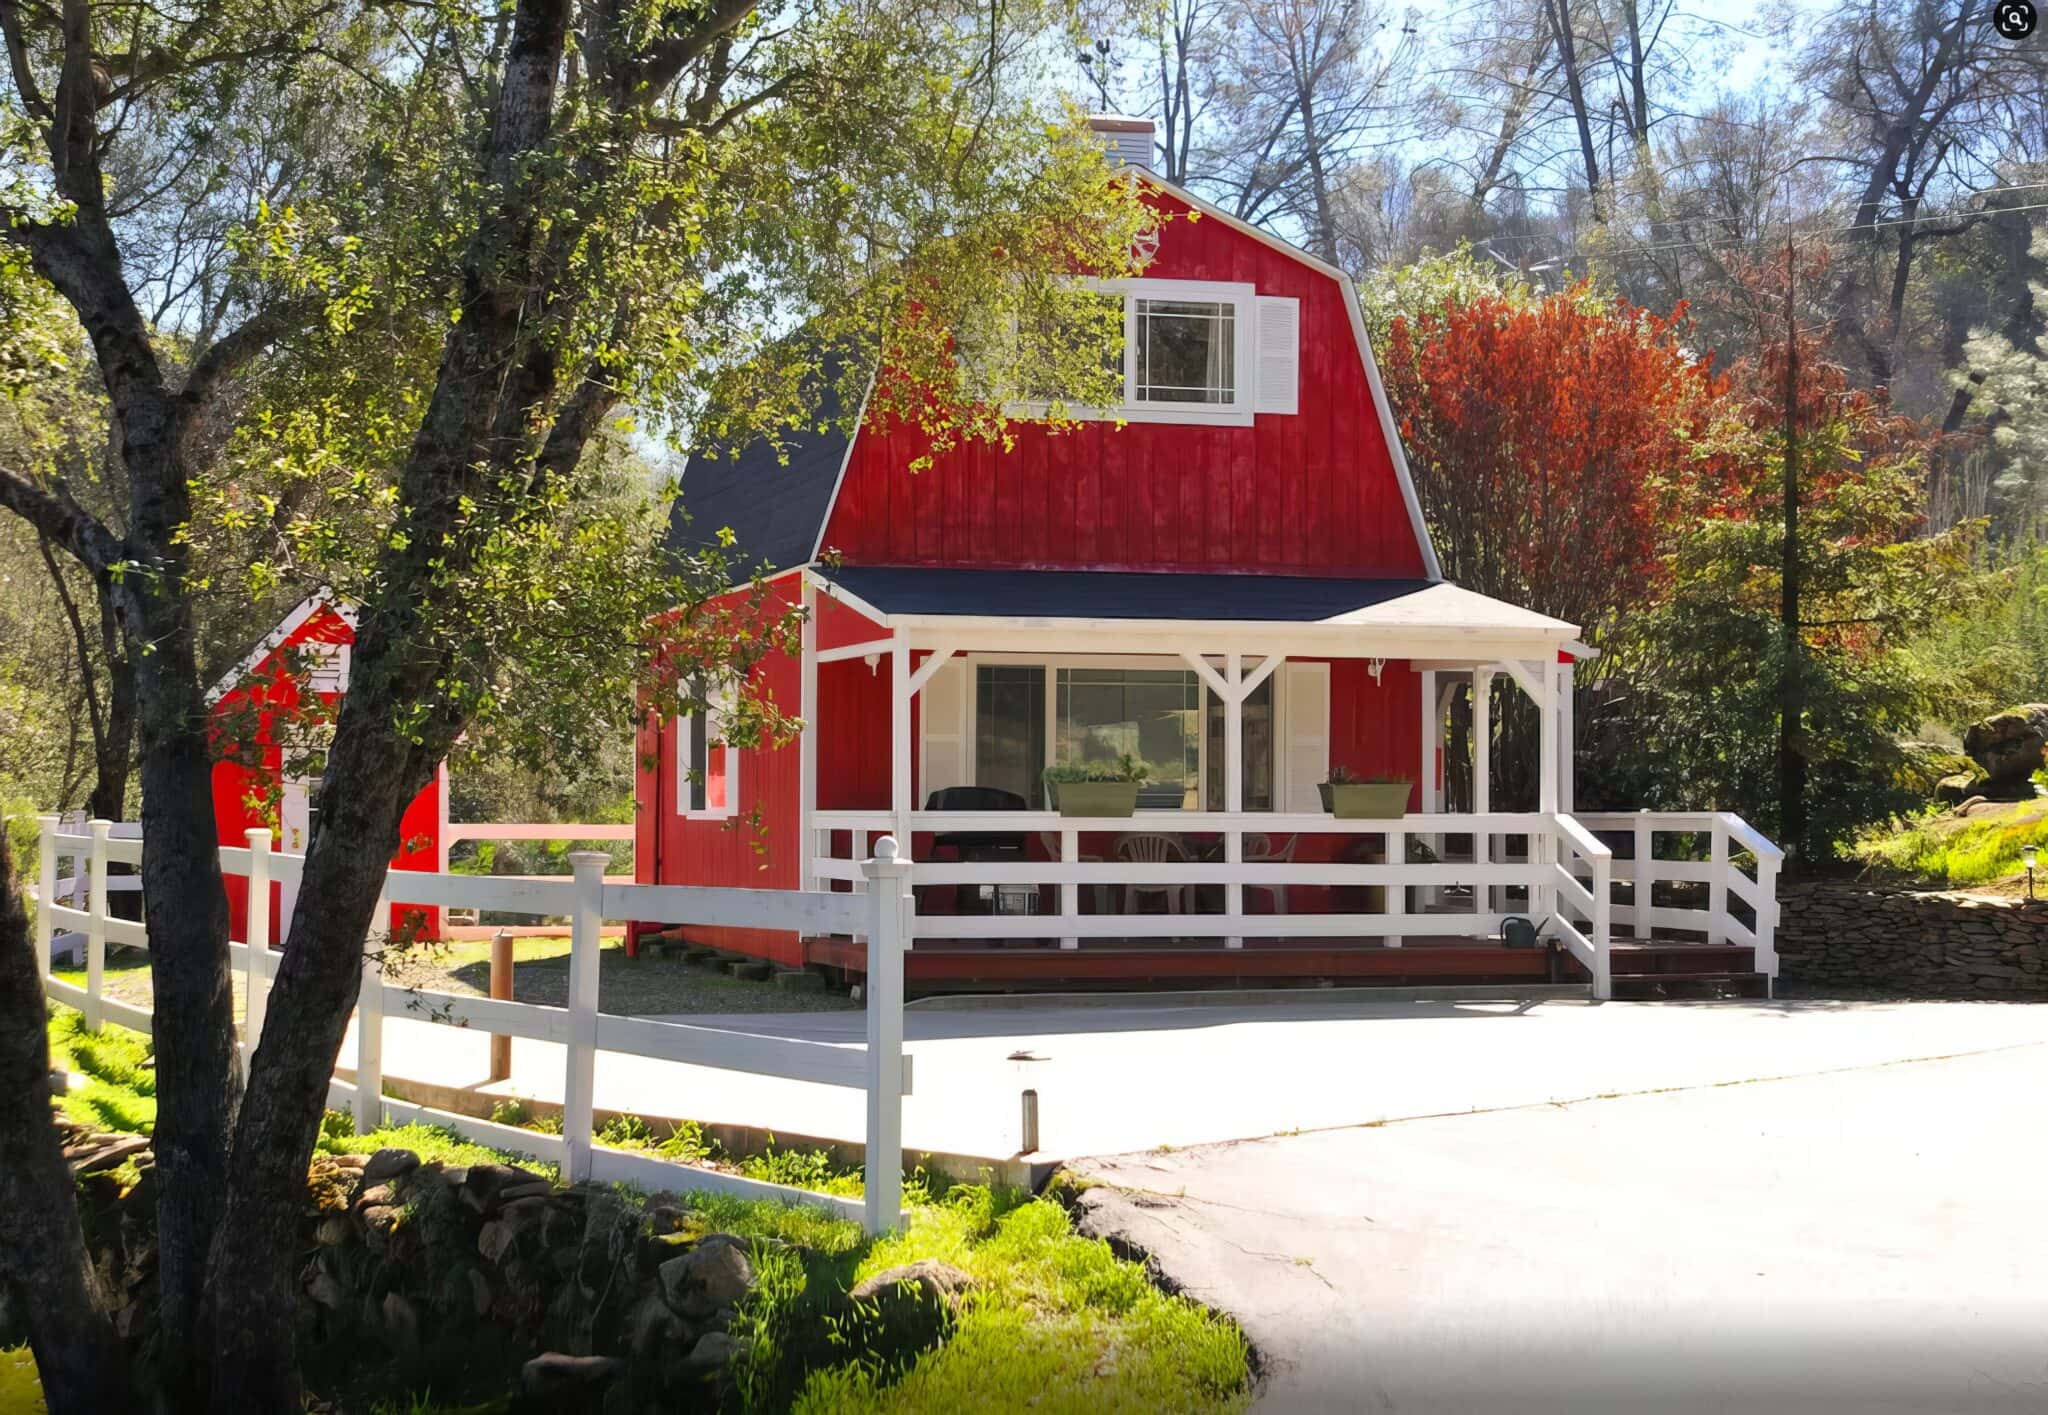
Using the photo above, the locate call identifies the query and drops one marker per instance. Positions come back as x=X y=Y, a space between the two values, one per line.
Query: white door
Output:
x=295 y=821
x=1304 y=735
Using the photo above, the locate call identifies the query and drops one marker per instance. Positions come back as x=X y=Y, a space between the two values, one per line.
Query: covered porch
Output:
x=1240 y=694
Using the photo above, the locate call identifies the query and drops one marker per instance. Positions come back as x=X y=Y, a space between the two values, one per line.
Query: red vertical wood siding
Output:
x=1310 y=493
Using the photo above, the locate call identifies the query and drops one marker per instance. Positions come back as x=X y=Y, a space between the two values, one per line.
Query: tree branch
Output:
x=58 y=517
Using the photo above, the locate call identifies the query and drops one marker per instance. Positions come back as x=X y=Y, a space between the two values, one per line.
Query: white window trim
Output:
x=1051 y=663
x=713 y=722
x=1239 y=412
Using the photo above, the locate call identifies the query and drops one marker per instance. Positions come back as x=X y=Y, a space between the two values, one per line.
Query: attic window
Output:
x=1186 y=351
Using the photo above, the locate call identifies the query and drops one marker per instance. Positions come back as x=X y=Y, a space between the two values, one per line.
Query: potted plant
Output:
x=1352 y=798
x=1096 y=788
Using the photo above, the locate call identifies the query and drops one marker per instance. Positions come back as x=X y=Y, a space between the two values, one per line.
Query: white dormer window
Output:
x=1198 y=351
x=707 y=769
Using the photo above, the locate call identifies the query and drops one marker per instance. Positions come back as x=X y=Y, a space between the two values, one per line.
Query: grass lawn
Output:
x=1959 y=852
x=1055 y=1323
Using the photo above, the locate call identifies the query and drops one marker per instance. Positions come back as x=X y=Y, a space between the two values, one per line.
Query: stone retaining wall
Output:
x=1858 y=935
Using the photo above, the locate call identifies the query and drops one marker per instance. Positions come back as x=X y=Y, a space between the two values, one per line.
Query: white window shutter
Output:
x=944 y=719
x=1305 y=735
x=1279 y=355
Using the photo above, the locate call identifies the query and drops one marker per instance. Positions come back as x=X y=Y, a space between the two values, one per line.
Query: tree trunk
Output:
x=184 y=905
x=43 y=1260
x=1792 y=672
x=1560 y=16
x=113 y=750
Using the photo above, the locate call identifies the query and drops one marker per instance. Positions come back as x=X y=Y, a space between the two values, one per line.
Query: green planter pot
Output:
x=1094 y=798
x=1366 y=801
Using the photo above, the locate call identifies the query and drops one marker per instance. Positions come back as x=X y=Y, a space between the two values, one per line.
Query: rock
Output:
x=1960 y=789
x=333 y=1231
x=713 y=1274
x=389 y=1164
x=794 y=980
x=651 y=1326
x=554 y=1375
x=751 y=970
x=320 y=1286
x=480 y=1292
x=2011 y=746
x=942 y=1282
x=372 y=1196
x=495 y=1238
x=713 y=1352
x=379 y=1222
x=483 y=1183
x=401 y=1321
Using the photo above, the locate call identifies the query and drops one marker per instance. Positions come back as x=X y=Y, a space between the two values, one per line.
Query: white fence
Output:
x=1726 y=837
x=1524 y=853
x=881 y=913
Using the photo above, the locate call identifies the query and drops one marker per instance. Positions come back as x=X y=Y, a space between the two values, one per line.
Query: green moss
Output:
x=119 y=1093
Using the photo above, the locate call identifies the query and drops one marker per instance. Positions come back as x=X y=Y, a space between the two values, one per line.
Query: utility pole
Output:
x=1792 y=674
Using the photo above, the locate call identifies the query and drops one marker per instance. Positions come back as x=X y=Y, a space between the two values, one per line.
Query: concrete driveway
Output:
x=1873 y=1238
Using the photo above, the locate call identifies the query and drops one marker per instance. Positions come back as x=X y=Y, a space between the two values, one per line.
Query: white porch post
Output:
x=1567 y=763
x=1432 y=785
x=1482 y=778
x=1543 y=847
x=900 y=802
x=1233 y=793
x=807 y=745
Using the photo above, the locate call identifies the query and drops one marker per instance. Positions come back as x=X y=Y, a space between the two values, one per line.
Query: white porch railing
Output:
x=881 y=913
x=1544 y=869
x=1666 y=849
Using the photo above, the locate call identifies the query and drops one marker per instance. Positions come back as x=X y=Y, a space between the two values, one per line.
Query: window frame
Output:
x=685 y=788
x=1238 y=412
x=1052 y=663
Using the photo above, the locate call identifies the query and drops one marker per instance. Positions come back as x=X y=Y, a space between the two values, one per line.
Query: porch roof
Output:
x=918 y=596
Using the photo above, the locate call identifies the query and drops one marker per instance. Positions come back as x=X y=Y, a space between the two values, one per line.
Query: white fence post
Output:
x=1717 y=886
x=46 y=893
x=1767 y=921
x=1603 y=926
x=889 y=890
x=580 y=1082
x=256 y=943
x=96 y=924
x=1645 y=877
x=370 y=1022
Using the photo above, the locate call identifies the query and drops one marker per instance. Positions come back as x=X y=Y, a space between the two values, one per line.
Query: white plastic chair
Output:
x=1149 y=849
x=1258 y=850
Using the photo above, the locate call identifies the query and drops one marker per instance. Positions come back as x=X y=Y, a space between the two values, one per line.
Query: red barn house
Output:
x=308 y=651
x=1229 y=579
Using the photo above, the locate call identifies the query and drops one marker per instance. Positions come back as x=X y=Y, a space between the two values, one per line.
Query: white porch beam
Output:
x=1258 y=675
x=1421 y=644
x=1532 y=677
x=862 y=650
x=1482 y=778
x=1208 y=674
x=930 y=667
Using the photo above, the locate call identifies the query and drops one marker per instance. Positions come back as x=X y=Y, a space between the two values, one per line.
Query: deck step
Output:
x=1651 y=987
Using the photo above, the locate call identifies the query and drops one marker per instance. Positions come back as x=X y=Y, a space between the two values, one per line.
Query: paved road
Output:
x=1868 y=1240
x=1134 y=1076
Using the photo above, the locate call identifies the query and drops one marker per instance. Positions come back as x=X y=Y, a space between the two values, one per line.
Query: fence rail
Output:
x=881 y=914
x=1664 y=847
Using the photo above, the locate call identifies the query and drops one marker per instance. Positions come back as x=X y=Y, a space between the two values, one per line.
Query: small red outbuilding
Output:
x=254 y=708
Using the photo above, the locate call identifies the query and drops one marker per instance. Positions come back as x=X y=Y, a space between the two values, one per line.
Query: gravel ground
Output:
x=645 y=986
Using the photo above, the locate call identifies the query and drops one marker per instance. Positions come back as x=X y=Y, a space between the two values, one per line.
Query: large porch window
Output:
x=1027 y=716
